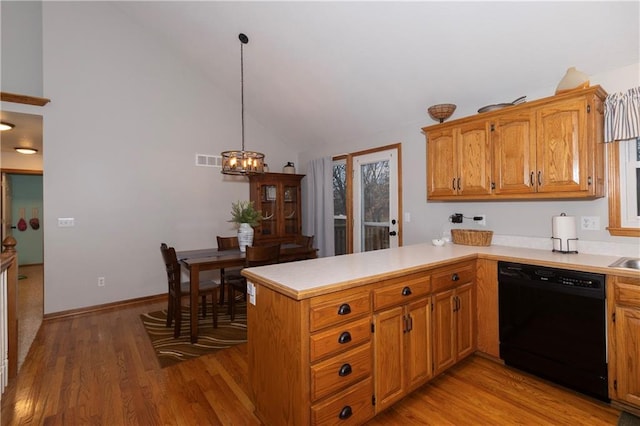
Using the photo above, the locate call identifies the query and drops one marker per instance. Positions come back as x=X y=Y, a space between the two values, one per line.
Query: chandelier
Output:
x=242 y=162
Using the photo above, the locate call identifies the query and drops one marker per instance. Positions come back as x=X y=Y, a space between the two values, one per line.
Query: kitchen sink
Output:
x=627 y=262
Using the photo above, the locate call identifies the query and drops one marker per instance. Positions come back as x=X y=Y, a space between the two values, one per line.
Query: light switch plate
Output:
x=66 y=222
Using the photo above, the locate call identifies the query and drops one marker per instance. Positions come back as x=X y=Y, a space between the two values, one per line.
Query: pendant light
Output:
x=242 y=162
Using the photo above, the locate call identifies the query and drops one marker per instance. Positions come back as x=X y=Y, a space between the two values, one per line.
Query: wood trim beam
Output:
x=23 y=99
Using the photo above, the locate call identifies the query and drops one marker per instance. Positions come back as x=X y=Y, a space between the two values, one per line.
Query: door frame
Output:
x=349 y=178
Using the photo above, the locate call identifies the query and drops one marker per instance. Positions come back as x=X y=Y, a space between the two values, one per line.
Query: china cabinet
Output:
x=277 y=196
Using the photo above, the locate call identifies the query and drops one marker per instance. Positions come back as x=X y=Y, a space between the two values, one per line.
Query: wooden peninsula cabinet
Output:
x=453 y=315
x=624 y=341
x=551 y=148
x=277 y=196
x=402 y=337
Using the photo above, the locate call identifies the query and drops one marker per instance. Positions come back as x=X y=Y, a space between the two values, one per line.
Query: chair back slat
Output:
x=227 y=243
x=173 y=268
x=262 y=255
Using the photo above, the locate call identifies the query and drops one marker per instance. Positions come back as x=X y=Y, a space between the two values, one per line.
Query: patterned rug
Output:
x=171 y=351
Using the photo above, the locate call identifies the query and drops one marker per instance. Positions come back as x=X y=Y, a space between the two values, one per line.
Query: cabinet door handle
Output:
x=455 y=277
x=344 y=309
x=345 y=413
x=458 y=184
x=345 y=370
x=345 y=337
x=406 y=291
x=531 y=179
x=453 y=184
x=539 y=177
x=409 y=323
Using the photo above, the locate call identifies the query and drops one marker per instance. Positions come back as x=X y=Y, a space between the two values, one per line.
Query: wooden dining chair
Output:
x=178 y=289
x=255 y=256
x=227 y=243
x=305 y=241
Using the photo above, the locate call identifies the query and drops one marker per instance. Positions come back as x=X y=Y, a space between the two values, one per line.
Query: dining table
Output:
x=196 y=261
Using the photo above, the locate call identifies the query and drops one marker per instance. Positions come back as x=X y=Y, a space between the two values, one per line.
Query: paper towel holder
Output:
x=561 y=250
x=567 y=250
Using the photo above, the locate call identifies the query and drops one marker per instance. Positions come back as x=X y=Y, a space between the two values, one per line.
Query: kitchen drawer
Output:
x=340 y=371
x=351 y=407
x=452 y=276
x=627 y=294
x=339 y=338
x=338 y=309
x=401 y=291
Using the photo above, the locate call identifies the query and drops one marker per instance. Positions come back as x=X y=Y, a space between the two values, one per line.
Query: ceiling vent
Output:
x=204 y=160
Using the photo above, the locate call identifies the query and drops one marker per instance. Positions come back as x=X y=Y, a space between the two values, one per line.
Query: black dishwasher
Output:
x=553 y=325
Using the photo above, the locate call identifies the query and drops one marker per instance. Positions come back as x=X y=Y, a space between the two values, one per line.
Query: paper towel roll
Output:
x=563 y=232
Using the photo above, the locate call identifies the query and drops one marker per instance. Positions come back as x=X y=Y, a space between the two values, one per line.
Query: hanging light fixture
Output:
x=242 y=162
x=6 y=126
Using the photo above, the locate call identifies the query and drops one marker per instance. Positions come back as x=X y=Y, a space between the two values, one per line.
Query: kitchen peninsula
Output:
x=339 y=339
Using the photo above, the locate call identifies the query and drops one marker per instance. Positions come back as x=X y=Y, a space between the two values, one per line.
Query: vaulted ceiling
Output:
x=318 y=72
x=333 y=71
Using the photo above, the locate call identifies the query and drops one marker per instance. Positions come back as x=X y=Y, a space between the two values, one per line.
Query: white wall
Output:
x=527 y=218
x=21 y=47
x=126 y=119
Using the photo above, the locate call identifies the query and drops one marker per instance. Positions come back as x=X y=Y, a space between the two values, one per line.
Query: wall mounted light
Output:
x=6 y=126
x=25 y=150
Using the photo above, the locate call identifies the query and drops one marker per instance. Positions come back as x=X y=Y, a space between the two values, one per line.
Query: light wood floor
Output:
x=30 y=307
x=100 y=369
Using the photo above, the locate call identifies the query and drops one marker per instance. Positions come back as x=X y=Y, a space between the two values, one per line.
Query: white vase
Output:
x=245 y=236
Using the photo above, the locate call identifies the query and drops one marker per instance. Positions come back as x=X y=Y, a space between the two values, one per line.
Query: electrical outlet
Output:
x=456 y=218
x=100 y=281
x=590 y=223
x=482 y=221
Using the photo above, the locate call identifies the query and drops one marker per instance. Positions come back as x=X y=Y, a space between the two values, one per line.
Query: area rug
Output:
x=171 y=351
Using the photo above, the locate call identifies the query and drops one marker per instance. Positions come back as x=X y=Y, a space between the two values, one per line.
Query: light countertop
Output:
x=308 y=278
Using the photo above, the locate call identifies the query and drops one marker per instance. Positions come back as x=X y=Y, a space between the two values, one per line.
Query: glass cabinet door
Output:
x=268 y=208
x=291 y=219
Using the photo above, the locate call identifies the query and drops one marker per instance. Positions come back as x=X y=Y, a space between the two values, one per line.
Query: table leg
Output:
x=194 y=280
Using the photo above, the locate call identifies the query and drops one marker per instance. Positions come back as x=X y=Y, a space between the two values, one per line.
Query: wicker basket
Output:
x=471 y=237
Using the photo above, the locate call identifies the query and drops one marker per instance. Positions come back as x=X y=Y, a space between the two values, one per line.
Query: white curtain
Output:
x=318 y=205
x=622 y=115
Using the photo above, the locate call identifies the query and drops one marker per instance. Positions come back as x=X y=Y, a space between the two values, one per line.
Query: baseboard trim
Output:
x=105 y=307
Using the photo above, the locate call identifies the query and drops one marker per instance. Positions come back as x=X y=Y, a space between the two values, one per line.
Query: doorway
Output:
x=22 y=208
x=367 y=194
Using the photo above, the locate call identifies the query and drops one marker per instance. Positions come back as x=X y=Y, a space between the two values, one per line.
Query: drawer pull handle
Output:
x=344 y=309
x=455 y=277
x=406 y=291
x=345 y=413
x=345 y=370
x=345 y=337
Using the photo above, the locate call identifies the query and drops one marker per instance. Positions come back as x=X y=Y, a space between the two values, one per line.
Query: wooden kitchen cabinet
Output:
x=459 y=161
x=546 y=149
x=402 y=338
x=454 y=304
x=277 y=196
x=624 y=341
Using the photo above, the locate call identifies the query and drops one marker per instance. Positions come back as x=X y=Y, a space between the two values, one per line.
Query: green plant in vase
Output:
x=245 y=216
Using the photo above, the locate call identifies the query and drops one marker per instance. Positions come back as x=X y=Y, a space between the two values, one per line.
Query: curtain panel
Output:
x=318 y=205
x=622 y=115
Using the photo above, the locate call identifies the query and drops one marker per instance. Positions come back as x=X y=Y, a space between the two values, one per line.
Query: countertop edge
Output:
x=292 y=293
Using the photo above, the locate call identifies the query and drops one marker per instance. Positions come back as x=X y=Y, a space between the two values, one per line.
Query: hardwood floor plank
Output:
x=100 y=368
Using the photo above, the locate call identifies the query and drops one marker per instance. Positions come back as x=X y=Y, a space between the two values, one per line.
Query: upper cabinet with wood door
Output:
x=551 y=148
x=460 y=161
x=277 y=196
